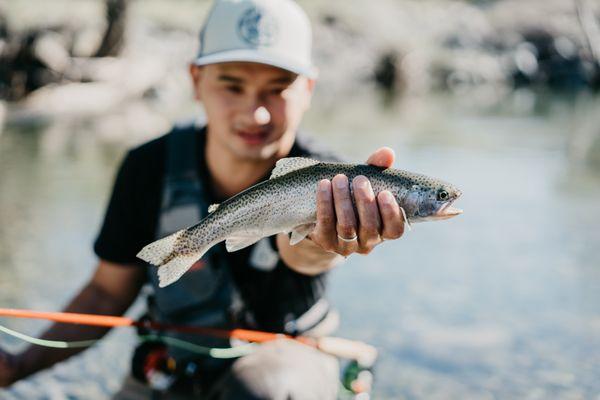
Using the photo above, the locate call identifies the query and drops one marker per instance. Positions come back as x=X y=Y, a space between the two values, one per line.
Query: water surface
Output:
x=501 y=302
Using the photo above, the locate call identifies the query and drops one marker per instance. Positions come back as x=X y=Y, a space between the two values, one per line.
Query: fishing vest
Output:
x=206 y=294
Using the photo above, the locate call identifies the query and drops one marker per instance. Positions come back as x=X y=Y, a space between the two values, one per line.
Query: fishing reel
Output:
x=357 y=374
x=357 y=380
x=152 y=366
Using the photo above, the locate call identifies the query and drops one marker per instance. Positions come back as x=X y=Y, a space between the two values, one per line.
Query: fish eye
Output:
x=442 y=195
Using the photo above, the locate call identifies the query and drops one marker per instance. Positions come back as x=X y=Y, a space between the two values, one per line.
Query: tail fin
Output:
x=172 y=262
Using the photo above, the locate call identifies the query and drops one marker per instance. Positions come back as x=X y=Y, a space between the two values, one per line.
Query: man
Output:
x=255 y=79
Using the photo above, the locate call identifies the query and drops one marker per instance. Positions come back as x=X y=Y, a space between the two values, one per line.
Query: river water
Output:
x=502 y=302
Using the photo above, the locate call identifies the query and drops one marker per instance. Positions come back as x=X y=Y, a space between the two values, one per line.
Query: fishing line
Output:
x=57 y=344
x=229 y=352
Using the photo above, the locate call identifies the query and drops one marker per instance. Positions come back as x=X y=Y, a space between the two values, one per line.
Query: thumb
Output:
x=382 y=157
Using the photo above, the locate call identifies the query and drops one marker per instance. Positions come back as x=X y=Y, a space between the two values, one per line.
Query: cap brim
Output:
x=245 y=55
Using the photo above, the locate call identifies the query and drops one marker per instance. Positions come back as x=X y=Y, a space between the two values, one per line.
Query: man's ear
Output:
x=196 y=74
x=310 y=86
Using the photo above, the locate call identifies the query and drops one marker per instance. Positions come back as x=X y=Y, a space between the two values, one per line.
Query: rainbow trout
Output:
x=286 y=202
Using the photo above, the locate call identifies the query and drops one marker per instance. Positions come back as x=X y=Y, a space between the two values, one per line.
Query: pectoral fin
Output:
x=406 y=221
x=300 y=232
x=235 y=243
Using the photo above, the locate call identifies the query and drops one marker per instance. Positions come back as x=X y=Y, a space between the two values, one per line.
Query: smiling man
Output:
x=254 y=77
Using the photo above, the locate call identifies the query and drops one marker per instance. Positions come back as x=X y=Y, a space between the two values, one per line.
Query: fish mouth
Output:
x=447 y=211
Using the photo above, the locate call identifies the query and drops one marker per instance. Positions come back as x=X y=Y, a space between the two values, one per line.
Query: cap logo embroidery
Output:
x=257 y=28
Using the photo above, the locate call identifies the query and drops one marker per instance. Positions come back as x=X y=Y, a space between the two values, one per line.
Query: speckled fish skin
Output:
x=287 y=203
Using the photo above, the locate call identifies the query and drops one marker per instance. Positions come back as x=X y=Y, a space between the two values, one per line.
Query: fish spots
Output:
x=289 y=200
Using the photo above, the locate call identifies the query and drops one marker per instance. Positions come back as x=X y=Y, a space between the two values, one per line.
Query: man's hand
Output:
x=8 y=369
x=110 y=291
x=340 y=231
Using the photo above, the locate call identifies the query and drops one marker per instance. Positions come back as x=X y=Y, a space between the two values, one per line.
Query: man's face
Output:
x=253 y=110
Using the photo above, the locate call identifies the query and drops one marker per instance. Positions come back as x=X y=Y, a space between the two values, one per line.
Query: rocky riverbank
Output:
x=50 y=64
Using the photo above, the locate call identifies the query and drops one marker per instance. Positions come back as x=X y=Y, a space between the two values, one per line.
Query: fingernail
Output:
x=387 y=198
x=341 y=182
x=324 y=185
x=360 y=182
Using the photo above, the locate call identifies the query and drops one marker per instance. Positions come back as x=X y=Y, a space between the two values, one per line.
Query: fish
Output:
x=286 y=202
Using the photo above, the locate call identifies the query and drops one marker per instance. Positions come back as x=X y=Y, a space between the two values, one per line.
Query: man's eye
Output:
x=234 y=89
x=277 y=91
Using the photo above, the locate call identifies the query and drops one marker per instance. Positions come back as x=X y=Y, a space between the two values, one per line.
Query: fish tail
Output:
x=171 y=261
x=175 y=268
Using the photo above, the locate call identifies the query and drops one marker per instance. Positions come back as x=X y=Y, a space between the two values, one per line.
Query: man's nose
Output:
x=261 y=115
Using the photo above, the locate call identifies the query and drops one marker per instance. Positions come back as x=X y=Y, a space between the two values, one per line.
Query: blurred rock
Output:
x=386 y=71
x=548 y=60
x=23 y=71
x=51 y=50
x=459 y=45
x=116 y=18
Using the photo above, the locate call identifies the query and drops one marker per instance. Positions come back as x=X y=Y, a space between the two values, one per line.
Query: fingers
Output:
x=376 y=217
x=335 y=217
x=346 y=226
x=369 y=221
x=391 y=216
x=382 y=157
x=325 y=234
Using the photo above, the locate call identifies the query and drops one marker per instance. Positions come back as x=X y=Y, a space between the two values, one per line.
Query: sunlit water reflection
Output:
x=502 y=302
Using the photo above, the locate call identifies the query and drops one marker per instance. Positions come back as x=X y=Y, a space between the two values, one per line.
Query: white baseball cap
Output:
x=272 y=32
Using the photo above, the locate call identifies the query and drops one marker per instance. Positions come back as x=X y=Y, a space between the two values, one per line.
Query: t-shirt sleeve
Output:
x=130 y=218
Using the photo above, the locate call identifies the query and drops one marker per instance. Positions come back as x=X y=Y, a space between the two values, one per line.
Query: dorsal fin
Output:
x=212 y=208
x=290 y=164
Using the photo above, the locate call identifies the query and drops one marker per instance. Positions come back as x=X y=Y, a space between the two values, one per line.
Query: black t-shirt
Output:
x=131 y=221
